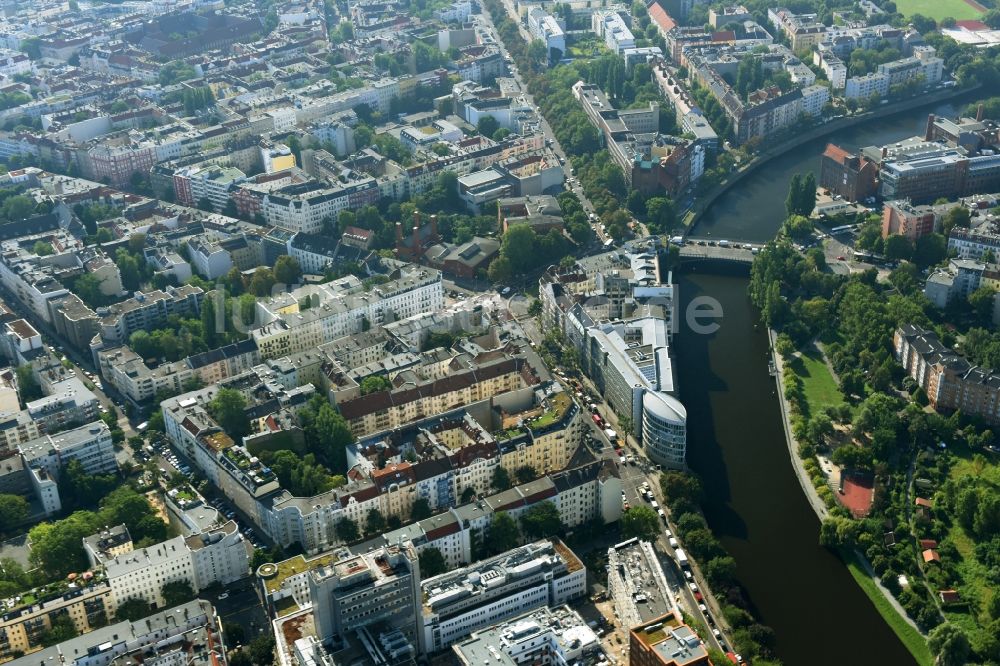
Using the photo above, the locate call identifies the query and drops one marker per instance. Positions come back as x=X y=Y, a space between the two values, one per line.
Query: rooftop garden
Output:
x=558 y=404
x=294 y=566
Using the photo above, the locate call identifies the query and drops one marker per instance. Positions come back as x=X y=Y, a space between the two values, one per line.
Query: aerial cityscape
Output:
x=499 y=332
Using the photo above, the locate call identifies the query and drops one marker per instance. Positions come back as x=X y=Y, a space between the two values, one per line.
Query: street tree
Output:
x=642 y=522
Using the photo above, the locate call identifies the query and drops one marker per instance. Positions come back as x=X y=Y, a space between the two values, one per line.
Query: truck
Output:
x=682 y=558
x=597 y=420
x=611 y=434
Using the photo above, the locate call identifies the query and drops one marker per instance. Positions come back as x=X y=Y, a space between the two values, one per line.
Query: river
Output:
x=764 y=191
x=736 y=442
x=755 y=504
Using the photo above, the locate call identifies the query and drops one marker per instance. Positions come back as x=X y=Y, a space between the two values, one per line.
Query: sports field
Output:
x=939 y=9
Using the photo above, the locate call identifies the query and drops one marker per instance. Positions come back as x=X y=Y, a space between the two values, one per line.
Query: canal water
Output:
x=755 y=504
x=754 y=209
x=736 y=442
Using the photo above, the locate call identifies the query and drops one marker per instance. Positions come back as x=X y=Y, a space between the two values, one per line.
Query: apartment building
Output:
x=581 y=494
x=547 y=28
x=218 y=555
x=558 y=634
x=90 y=445
x=129 y=374
x=973 y=244
x=457 y=603
x=68 y=403
x=241 y=476
x=802 y=30
x=465 y=384
x=107 y=544
x=304 y=207
x=147 y=311
x=832 y=65
x=902 y=218
x=208 y=258
x=189 y=634
x=544 y=437
x=611 y=27
x=343 y=307
x=16 y=428
x=958 y=280
x=73 y=320
x=211 y=182
x=88 y=604
x=949 y=380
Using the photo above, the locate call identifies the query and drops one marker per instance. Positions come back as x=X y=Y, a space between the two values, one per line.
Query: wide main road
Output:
x=550 y=136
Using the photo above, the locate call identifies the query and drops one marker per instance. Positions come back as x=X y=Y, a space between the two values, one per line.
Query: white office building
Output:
x=611 y=27
x=545 y=27
x=90 y=445
x=544 y=573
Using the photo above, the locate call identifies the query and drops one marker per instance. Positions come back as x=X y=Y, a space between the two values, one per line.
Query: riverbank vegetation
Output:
x=878 y=429
x=683 y=494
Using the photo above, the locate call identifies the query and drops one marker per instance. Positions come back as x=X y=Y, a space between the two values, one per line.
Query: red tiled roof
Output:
x=950 y=596
x=931 y=555
x=836 y=153
x=661 y=18
x=928 y=543
x=724 y=36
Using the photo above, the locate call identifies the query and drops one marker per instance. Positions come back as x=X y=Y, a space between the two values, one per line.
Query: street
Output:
x=76 y=362
x=569 y=178
x=635 y=470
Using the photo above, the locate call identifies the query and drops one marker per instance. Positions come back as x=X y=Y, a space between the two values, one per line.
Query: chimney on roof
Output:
x=399 y=234
x=434 y=222
x=929 y=133
x=979 y=112
x=885 y=152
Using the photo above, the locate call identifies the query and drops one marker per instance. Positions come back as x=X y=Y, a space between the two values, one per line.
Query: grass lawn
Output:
x=820 y=388
x=974 y=586
x=910 y=637
x=964 y=466
x=585 y=47
x=938 y=9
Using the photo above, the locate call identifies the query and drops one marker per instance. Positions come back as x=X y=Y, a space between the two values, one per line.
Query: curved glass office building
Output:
x=664 y=428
